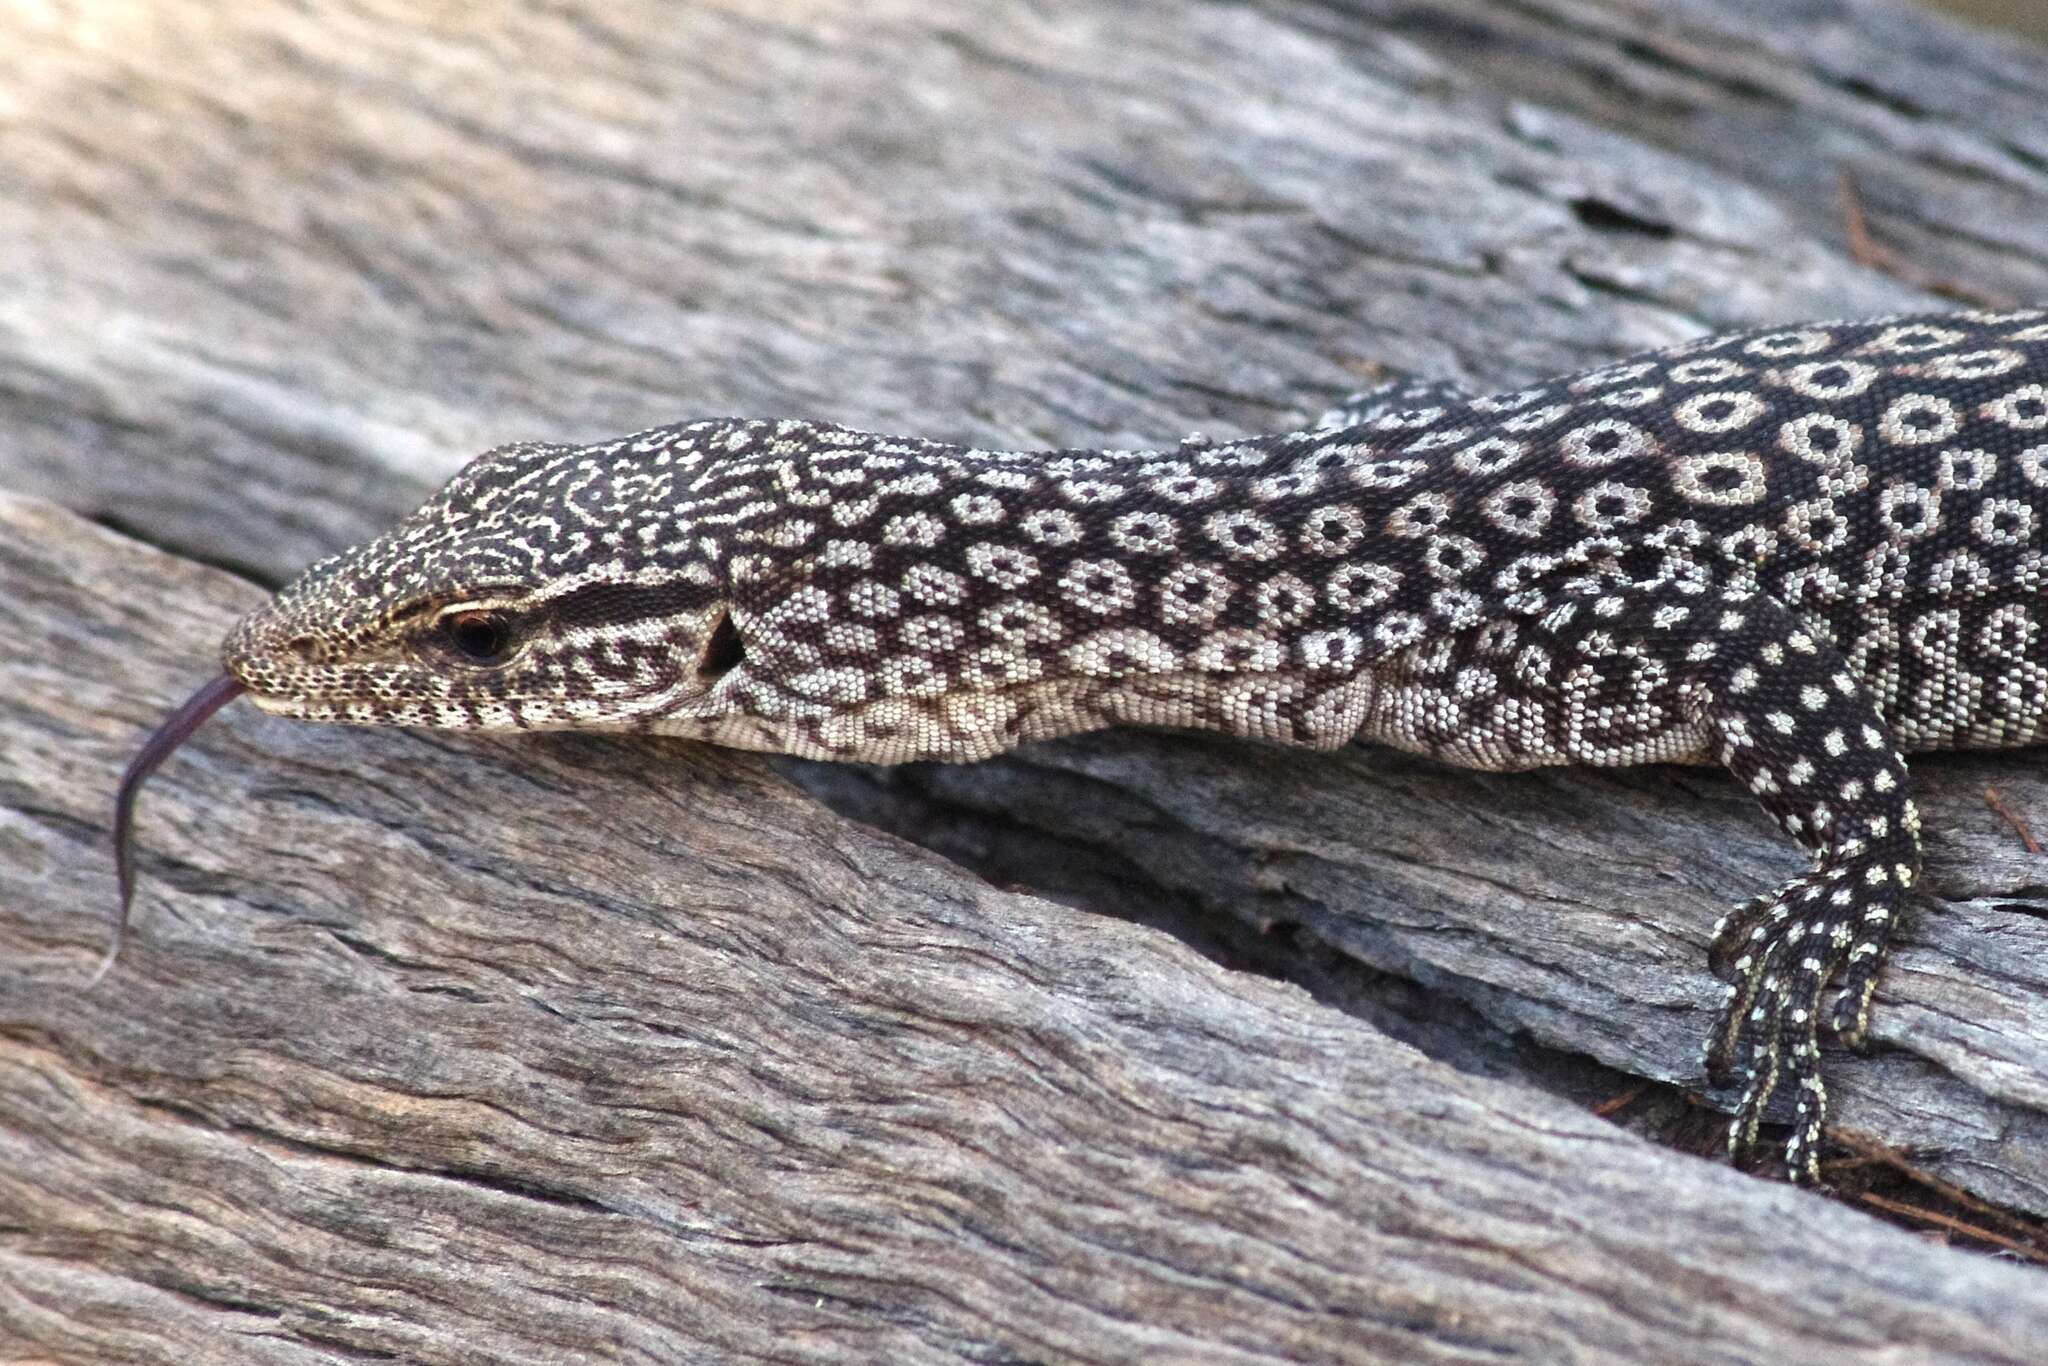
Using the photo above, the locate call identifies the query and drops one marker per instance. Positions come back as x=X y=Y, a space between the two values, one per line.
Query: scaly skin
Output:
x=1794 y=553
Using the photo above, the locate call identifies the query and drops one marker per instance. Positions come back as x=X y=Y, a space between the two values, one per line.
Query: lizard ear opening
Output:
x=723 y=652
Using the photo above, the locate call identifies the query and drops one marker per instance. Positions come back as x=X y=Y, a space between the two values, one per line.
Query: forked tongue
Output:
x=176 y=729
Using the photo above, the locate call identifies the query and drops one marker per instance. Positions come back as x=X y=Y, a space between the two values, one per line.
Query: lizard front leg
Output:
x=1783 y=711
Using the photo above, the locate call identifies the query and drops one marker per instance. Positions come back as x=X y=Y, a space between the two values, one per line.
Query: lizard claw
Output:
x=1779 y=953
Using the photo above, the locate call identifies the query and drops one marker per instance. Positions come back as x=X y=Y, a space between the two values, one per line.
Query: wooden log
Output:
x=284 y=267
x=544 y=1049
x=410 y=1057
x=1564 y=908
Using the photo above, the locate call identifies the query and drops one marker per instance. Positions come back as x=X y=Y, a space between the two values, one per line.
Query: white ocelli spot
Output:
x=1194 y=594
x=1522 y=508
x=1966 y=470
x=1360 y=587
x=1908 y=511
x=1707 y=370
x=2024 y=409
x=1330 y=651
x=1145 y=533
x=1243 y=535
x=1332 y=530
x=916 y=529
x=1005 y=566
x=936 y=587
x=1912 y=339
x=1780 y=345
x=1829 y=380
x=1726 y=410
x=1238 y=651
x=1817 y=525
x=1919 y=420
x=1121 y=651
x=1100 y=587
x=1398 y=628
x=1452 y=557
x=1821 y=439
x=1720 y=478
x=1284 y=601
x=1488 y=457
x=2003 y=522
x=1603 y=443
x=1609 y=505
x=977 y=509
x=1974 y=365
x=1420 y=515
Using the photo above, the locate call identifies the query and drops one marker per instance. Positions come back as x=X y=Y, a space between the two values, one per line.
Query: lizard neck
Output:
x=912 y=600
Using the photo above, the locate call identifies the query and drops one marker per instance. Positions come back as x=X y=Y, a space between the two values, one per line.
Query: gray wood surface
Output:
x=577 y=1049
x=530 y=1049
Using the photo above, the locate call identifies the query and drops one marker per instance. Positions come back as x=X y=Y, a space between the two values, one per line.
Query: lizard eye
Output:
x=475 y=637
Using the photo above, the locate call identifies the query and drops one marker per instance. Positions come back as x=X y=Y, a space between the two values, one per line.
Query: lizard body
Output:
x=1796 y=553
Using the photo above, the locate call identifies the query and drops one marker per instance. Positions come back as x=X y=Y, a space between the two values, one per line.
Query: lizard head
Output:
x=543 y=587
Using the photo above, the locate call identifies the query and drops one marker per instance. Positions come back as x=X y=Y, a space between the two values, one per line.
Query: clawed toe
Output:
x=1778 y=953
x=1736 y=932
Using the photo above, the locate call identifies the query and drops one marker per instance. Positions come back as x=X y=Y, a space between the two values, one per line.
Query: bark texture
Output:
x=453 y=1050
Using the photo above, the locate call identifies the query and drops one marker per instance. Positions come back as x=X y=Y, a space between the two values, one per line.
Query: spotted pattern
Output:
x=1798 y=554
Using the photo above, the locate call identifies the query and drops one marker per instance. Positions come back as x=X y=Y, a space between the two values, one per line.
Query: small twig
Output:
x=1949 y=1224
x=1997 y=804
x=1870 y=1152
x=1841 y=1165
x=1619 y=1102
x=1868 y=1149
x=1864 y=249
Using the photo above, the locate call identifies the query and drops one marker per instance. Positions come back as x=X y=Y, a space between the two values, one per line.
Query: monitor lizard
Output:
x=1797 y=553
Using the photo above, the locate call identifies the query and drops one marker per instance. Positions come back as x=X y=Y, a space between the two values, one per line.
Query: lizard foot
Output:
x=1778 y=954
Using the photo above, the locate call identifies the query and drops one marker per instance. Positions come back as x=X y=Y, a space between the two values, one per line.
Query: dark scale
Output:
x=1794 y=553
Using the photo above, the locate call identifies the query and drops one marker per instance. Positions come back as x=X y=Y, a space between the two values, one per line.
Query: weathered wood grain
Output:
x=671 y=1062
x=281 y=266
x=411 y=1058
x=1568 y=909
